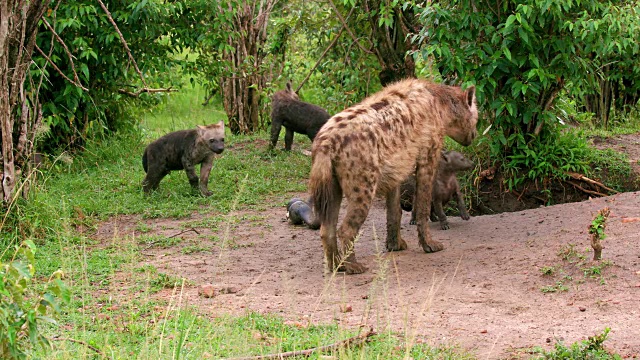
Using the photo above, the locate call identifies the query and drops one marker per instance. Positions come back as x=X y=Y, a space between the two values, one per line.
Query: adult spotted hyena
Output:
x=370 y=148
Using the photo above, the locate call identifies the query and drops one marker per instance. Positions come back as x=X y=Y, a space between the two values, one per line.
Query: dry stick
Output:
x=354 y=341
x=184 y=231
x=83 y=343
x=133 y=60
x=66 y=49
x=145 y=90
x=122 y=40
x=581 y=177
x=60 y=71
x=344 y=24
x=323 y=54
x=585 y=190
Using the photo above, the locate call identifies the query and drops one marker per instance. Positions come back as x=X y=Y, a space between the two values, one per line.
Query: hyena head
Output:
x=455 y=161
x=213 y=136
x=462 y=127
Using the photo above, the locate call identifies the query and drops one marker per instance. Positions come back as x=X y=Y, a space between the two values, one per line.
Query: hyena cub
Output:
x=183 y=149
x=445 y=187
x=369 y=149
x=296 y=116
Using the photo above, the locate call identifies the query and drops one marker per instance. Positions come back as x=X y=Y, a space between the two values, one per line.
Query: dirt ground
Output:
x=503 y=283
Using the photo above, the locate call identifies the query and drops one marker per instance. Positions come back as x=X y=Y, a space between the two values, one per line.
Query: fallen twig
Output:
x=83 y=343
x=184 y=231
x=354 y=341
x=585 y=190
x=581 y=177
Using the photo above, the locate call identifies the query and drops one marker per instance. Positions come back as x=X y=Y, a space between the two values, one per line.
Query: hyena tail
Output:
x=144 y=161
x=323 y=186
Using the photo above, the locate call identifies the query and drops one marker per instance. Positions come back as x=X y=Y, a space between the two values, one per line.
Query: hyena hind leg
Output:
x=329 y=236
x=355 y=216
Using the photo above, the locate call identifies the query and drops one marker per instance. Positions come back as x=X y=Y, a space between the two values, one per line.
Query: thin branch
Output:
x=585 y=190
x=145 y=90
x=333 y=43
x=123 y=41
x=354 y=341
x=581 y=177
x=66 y=49
x=83 y=343
x=184 y=231
x=60 y=71
x=344 y=24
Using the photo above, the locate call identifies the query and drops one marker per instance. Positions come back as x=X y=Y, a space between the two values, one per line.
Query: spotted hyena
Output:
x=296 y=116
x=183 y=149
x=445 y=187
x=370 y=148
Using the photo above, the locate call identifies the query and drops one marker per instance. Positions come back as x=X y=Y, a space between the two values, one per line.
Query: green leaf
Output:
x=507 y=53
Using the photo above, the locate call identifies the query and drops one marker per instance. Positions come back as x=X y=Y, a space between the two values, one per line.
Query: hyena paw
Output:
x=398 y=246
x=206 y=193
x=465 y=216
x=432 y=246
x=444 y=225
x=354 y=268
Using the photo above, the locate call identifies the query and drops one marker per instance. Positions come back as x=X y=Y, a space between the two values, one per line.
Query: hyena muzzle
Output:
x=370 y=148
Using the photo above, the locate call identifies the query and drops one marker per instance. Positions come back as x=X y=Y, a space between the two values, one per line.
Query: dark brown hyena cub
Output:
x=296 y=116
x=183 y=149
x=445 y=187
x=370 y=148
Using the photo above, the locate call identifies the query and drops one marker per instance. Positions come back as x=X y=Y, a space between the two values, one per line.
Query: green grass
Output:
x=114 y=306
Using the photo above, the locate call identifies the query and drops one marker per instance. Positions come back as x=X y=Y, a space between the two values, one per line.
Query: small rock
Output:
x=582 y=308
x=207 y=290
x=548 y=340
x=346 y=308
x=102 y=317
x=483 y=331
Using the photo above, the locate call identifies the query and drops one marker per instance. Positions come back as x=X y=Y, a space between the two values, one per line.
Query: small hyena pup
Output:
x=296 y=116
x=445 y=187
x=183 y=149
x=370 y=148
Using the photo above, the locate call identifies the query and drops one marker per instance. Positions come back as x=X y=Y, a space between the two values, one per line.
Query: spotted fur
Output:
x=370 y=148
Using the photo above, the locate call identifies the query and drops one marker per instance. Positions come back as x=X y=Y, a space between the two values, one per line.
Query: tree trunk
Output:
x=18 y=29
x=243 y=87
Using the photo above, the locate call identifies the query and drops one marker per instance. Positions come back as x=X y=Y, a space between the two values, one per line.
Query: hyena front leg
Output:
x=425 y=172
x=205 y=170
x=461 y=206
x=190 y=169
x=394 y=216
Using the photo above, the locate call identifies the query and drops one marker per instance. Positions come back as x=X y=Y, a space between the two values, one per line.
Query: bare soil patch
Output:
x=504 y=283
x=484 y=292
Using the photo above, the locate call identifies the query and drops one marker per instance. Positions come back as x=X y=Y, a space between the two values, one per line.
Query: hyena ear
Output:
x=444 y=154
x=470 y=95
x=289 y=86
x=220 y=124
